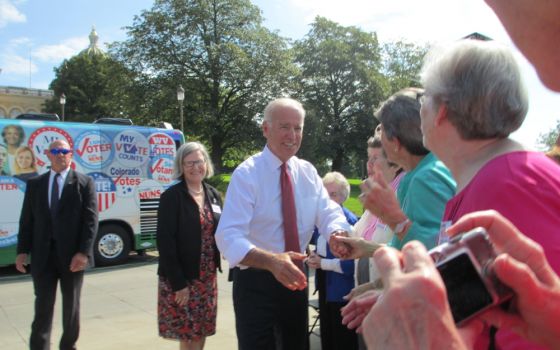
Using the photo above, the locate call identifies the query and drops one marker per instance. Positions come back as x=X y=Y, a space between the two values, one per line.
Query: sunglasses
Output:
x=57 y=151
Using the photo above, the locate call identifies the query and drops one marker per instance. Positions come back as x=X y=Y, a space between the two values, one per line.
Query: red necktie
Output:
x=291 y=237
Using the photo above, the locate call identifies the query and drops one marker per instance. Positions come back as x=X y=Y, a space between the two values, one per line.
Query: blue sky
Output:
x=36 y=35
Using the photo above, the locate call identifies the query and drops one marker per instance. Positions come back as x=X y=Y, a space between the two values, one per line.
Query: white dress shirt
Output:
x=252 y=214
x=61 y=180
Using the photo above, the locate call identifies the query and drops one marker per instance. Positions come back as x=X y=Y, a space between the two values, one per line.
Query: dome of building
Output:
x=93 y=49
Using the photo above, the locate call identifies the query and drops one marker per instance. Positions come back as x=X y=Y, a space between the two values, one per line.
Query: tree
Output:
x=95 y=86
x=341 y=83
x=402 y=63
x=550 y=138
x=228 y=63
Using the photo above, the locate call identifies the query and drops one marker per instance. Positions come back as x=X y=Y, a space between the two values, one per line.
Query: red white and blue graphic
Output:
x=106 y=190
x=161 y=170
x=131 y=149
x=161 y=145
x=94 y=149
x=40 y=140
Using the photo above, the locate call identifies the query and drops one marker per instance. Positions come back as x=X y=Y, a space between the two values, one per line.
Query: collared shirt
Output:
x=252 y=215
x=61 y=179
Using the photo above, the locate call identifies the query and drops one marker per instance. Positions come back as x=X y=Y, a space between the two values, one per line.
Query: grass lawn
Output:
x=353 y=203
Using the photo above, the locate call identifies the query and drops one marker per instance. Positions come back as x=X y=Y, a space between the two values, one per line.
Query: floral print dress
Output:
x=197 y=319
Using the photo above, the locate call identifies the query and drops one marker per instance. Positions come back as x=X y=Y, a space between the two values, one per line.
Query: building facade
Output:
x=16 y=100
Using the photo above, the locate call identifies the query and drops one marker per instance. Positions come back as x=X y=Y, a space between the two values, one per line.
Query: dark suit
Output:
x=52 y=243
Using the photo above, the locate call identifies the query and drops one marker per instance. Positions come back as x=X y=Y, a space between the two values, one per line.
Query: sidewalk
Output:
x=118 y=311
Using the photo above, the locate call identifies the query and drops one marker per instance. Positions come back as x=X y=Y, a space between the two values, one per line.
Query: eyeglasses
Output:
x=192 y=163
x=57 y=151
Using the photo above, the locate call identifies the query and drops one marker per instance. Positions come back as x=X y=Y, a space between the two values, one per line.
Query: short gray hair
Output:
x=184 y=151
x=338 y=179
x=400 y=117
x=283 y=102
x=481 y=85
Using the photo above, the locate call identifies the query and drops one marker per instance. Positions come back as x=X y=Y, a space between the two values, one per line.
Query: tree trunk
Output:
x=338 y=160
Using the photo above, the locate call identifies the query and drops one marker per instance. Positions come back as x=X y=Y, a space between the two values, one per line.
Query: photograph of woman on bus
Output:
x=188 y=216
x=13 y=136
x=3 y=159
x=24 y=165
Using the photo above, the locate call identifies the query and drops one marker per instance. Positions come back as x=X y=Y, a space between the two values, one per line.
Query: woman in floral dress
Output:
x=188 y=215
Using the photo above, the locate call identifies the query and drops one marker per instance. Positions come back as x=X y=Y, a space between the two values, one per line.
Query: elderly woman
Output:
x=369 y=227
x=416 y=210
x=474 y=99
x=188 y=215
x=334 y=278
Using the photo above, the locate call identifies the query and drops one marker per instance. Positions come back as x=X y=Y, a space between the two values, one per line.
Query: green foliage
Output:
x=550 y=138
x=228 y=63
x=353 y=202
x=402 y=64
x=95 y=86
x=340 y=83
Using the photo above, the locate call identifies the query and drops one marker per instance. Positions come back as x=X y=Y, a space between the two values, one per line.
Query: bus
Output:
x=130 y=165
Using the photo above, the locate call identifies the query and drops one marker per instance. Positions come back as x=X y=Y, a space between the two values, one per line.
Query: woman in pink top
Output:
x=474 y=99
x=369 y=227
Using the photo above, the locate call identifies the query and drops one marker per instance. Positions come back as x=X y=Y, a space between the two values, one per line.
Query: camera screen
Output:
x=466 y=292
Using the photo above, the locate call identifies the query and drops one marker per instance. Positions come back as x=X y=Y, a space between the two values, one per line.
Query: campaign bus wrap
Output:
x=130 y=165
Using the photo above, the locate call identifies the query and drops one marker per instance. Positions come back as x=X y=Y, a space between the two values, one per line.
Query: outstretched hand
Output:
x=286 y=272
x=352 y=247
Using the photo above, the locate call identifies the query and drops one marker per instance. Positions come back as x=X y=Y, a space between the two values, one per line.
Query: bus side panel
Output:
x=131 y=167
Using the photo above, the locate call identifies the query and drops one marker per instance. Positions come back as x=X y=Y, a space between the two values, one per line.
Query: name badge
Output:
x=216 y=209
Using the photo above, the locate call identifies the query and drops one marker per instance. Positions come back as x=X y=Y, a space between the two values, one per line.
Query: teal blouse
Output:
x=423 y=194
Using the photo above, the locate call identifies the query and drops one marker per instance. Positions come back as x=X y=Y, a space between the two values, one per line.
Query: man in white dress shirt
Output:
x=269 y=290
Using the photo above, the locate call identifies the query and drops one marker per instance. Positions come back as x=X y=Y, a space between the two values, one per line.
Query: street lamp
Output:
x=62 y=103
x=181 y=98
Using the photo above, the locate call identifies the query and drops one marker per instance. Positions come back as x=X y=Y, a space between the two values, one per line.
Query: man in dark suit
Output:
x=57 y=227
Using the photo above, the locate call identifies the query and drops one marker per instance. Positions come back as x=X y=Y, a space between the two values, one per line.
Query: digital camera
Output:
x=465 y=265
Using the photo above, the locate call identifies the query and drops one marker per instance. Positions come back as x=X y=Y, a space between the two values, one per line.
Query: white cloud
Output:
x=10 y=14
x=21 y=41
x=58 y=52
x=18 y=65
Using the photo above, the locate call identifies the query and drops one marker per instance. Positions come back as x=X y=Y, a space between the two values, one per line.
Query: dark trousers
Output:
x=334 y=335
x=45 y=283
x=268 y=316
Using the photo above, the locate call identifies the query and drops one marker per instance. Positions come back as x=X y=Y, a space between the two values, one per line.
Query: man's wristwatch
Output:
x=401 y=226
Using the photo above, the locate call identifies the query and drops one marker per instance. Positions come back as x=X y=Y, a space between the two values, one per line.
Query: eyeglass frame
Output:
x=193 y=163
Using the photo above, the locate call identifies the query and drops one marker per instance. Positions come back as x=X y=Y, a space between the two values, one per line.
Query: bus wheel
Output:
x=112 y=245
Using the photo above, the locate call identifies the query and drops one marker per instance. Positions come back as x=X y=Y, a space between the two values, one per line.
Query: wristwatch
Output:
x=401 y=226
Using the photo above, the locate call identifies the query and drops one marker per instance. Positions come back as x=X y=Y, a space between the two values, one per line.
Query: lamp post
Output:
x=181 y=98
x=62 y=103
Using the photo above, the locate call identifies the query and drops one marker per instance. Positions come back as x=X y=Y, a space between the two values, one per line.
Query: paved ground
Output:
x=118 y=310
